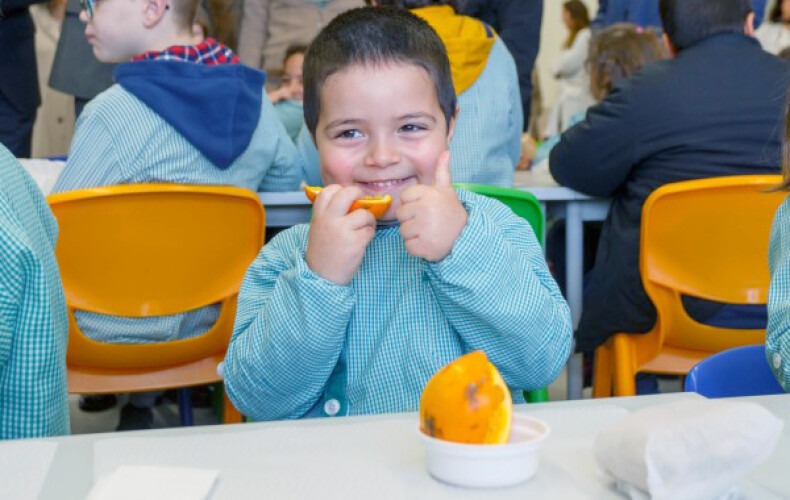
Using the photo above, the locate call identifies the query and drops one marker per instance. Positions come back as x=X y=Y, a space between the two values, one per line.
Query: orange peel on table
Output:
x=377 y=205
x=467 y=402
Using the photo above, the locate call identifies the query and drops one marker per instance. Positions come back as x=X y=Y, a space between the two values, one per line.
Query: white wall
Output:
x=552 y=36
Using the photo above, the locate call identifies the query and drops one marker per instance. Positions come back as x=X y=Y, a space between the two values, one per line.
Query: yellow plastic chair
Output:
x=152 y=250
x=704 y=238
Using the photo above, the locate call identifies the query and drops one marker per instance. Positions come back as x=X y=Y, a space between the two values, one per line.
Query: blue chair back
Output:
x=742 y=371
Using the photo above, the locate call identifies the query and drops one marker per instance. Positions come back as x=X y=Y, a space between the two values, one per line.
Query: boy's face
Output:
x=114 y=29
x=380 y=128
x=292 y=76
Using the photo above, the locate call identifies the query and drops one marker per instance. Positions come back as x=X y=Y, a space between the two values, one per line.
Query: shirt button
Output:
x=331 y=407
x=777 y=360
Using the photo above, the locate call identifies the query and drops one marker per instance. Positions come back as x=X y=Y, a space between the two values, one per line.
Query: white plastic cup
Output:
x=489 y=465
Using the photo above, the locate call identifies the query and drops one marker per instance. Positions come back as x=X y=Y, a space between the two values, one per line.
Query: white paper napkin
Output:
x=691 y=449
x=138 y=482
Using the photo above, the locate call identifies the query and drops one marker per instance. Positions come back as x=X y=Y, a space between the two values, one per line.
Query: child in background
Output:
x=348 y=316
x=33 y=322
x=777 y=335
x=287 y=98
x=180 y=112
x=616 y=53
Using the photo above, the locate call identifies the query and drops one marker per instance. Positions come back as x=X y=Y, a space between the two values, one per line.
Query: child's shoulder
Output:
x=110 y=105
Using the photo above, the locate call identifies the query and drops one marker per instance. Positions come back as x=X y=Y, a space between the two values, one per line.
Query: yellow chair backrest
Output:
x=150 y=250
x=707 y=238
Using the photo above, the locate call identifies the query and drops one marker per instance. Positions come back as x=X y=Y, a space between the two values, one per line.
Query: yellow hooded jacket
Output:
x=468 y=42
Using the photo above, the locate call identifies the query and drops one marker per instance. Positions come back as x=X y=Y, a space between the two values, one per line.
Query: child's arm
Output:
x=93 y=157
x=292 y=318
x=487 y=271
x=289 y=331
x=777 y=339
x=285 y=169
x=497 y=292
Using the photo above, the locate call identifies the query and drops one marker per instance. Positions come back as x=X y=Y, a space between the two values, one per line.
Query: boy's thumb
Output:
x=442 y=177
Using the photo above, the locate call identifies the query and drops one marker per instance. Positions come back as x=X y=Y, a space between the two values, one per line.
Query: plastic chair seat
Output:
x=169 y=249
x=705 y=238
x=742 y=371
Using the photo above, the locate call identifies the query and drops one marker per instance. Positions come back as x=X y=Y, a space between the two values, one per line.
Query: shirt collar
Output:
x=209 y=52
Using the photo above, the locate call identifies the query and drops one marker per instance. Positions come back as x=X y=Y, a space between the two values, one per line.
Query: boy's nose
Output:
x=382 y=153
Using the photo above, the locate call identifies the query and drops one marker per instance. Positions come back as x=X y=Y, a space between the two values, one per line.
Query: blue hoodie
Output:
x=215 y=108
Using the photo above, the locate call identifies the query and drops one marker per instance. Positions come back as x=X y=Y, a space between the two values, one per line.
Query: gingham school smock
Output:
x=33 y=322
x=303 y=346
x=777 y=339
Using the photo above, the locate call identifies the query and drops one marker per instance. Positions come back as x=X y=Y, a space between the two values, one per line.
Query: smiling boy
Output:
x=350 y=316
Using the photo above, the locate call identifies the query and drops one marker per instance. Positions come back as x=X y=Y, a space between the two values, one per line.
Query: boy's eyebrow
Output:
x=343 y=121
x=411 y=116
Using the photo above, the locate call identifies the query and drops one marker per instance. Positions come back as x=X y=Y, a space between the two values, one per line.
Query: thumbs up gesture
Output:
x=431 y=216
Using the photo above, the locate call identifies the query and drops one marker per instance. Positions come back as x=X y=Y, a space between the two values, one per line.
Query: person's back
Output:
x=33 y=322
x=487 y=142
x=713 y=110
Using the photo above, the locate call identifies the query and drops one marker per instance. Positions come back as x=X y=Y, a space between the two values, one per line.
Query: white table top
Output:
x=371 y=457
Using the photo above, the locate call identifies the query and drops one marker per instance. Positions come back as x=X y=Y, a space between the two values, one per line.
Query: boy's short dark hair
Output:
x=375 y=37
x=687 y=22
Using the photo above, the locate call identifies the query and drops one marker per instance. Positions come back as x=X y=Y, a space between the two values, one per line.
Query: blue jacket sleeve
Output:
x=289 y=333
x=596 y=155
x=497 y=292
x=777 y=339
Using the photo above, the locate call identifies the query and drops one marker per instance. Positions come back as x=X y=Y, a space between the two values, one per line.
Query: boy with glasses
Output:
x=180 y=112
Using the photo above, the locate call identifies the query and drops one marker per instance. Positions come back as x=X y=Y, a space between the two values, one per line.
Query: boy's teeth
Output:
x=383 y=184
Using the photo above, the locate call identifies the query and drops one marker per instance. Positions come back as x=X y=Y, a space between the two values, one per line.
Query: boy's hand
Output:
x=431 y=217
x=337 y=240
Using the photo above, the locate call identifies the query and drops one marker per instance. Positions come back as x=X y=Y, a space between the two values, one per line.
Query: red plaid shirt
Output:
x=208 y=52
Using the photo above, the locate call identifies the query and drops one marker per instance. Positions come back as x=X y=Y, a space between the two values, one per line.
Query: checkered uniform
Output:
x=33 y=322
x=777 y=340
x=305 y=347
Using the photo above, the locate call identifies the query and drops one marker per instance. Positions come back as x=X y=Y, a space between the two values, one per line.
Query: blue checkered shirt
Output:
x=33 y=322
x=777 y=340
x=304 y=347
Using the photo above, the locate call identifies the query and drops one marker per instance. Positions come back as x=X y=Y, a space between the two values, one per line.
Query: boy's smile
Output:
x=380 y=128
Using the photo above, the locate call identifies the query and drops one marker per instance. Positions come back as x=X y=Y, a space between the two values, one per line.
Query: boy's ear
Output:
x=154 y=11
x=451 y=128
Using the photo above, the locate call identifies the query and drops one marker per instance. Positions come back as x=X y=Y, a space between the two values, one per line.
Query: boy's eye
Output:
x=412 y=127
x=349 y=134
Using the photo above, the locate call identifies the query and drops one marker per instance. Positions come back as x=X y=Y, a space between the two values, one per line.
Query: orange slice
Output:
x=467 y=402
x=377 y=205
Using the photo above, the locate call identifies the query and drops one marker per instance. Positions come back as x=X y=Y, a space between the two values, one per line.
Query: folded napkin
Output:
x=129 y=482
x=697 y=449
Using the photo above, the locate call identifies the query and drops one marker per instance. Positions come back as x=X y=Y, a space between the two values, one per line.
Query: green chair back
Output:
x=526 y=206
x=523 y=204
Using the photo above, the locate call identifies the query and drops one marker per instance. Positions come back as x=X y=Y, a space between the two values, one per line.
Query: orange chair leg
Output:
x=602 y=373
x=624 y=366
x=230 y=415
